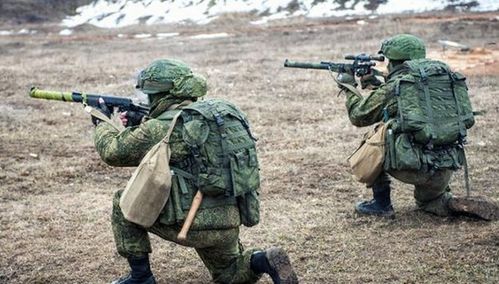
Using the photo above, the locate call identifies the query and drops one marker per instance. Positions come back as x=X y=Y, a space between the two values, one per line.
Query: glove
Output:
x=369 y=80
x=130 y=118
x=102 y=107
x=346 y=78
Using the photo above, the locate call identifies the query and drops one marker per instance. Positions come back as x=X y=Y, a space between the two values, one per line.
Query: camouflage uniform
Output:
x=217 y=245
x=431 y=189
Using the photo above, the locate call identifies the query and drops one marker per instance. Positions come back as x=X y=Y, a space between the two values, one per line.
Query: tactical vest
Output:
x=434 y=113
x=223 y=164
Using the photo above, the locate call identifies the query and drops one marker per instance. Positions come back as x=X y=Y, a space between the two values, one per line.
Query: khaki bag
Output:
x=148 y=189
x=367 y=161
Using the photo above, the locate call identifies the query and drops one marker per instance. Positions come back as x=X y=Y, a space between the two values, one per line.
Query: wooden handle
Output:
x=198 y=198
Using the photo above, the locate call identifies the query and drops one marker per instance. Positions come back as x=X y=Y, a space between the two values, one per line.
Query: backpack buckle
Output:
x=218 y=119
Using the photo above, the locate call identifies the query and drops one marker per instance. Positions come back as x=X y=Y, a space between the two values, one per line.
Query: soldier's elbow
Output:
x=357 y=121
x=113 y=160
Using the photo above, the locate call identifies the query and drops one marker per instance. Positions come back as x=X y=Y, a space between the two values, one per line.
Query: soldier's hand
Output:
x=369 y=80
x=102 y=107
x=130 y=118
x=346 y=78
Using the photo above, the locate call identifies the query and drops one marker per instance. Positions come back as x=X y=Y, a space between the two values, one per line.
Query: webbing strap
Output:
x=466 y=173
x=219 y=120
x=399 y=106
x=94 y=112
x=429 y=109
x=199 y=166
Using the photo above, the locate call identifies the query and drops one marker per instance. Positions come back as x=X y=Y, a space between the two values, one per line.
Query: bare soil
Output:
x=55 y=192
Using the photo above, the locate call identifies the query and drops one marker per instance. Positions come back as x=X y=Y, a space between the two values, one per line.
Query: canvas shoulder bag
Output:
x=148 y=189
x=367 y=161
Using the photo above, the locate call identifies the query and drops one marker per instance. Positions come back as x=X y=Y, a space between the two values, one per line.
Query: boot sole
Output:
x=386 y=214
x=279 y=261
x=389 y=215
x=476 y=207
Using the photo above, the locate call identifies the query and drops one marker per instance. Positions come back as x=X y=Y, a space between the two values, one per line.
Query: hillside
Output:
x=33 y=11
x=110 y=14
x=119 y=13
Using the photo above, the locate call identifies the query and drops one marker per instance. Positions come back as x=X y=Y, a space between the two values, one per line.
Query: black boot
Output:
x=275 y=262
x=381 y=204
x=140 y=272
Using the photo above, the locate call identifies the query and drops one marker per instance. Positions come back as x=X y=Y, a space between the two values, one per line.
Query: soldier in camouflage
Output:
x=170 y=85
x=431 y=188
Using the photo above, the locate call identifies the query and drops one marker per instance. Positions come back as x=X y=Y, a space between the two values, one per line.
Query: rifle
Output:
x=362 y=65
x=112 y=102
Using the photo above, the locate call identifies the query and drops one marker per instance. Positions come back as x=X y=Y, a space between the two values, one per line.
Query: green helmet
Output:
x=171 y=77
x=403 y=47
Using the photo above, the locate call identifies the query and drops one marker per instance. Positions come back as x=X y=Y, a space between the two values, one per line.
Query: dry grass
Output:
x=55 y=193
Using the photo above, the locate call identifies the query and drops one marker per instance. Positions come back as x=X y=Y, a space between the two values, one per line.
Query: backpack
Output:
x=433 y=104
x=434 y=113
x=223 y=155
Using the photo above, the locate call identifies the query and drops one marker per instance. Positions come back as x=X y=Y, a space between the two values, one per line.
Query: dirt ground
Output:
x=55 y=193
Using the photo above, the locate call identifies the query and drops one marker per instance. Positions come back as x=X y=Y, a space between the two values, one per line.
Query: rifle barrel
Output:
x=306 y=65
x=54 y=95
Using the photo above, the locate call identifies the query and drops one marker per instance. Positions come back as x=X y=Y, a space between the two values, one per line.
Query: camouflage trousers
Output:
x=220 y=250
x=431 y=190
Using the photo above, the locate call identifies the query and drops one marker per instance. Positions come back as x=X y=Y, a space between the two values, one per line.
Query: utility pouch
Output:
x=245 y=172
x=249 y=208
x=407 y=155
x=451 y=157
x=367 y=161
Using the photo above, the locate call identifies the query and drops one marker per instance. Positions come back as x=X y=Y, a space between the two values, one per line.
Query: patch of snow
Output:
x=142 y=36
x=210 y=36
x=66 y=32
x=164 y=35
x=361 y=22
x=5 y=33
x=26 y=32
x=121 y=35
x=276 y=16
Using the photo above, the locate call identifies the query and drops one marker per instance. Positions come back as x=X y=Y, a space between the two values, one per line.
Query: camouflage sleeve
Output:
x=364 y=111
x=128 y=147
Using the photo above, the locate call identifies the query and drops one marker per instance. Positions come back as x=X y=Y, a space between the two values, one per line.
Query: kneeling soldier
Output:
x=212 y=151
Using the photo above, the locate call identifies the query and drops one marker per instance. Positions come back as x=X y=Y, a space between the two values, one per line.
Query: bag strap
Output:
x=175 y=118
x=94 y=112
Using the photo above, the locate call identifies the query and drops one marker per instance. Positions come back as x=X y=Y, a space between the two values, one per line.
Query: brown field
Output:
x=55 y=193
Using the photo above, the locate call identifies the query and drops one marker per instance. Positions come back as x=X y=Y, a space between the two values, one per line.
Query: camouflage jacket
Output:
x=365 y=111
x=128 y=147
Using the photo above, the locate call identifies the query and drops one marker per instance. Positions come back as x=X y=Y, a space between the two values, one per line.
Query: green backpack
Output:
x=224 y=154
x=433 y=103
